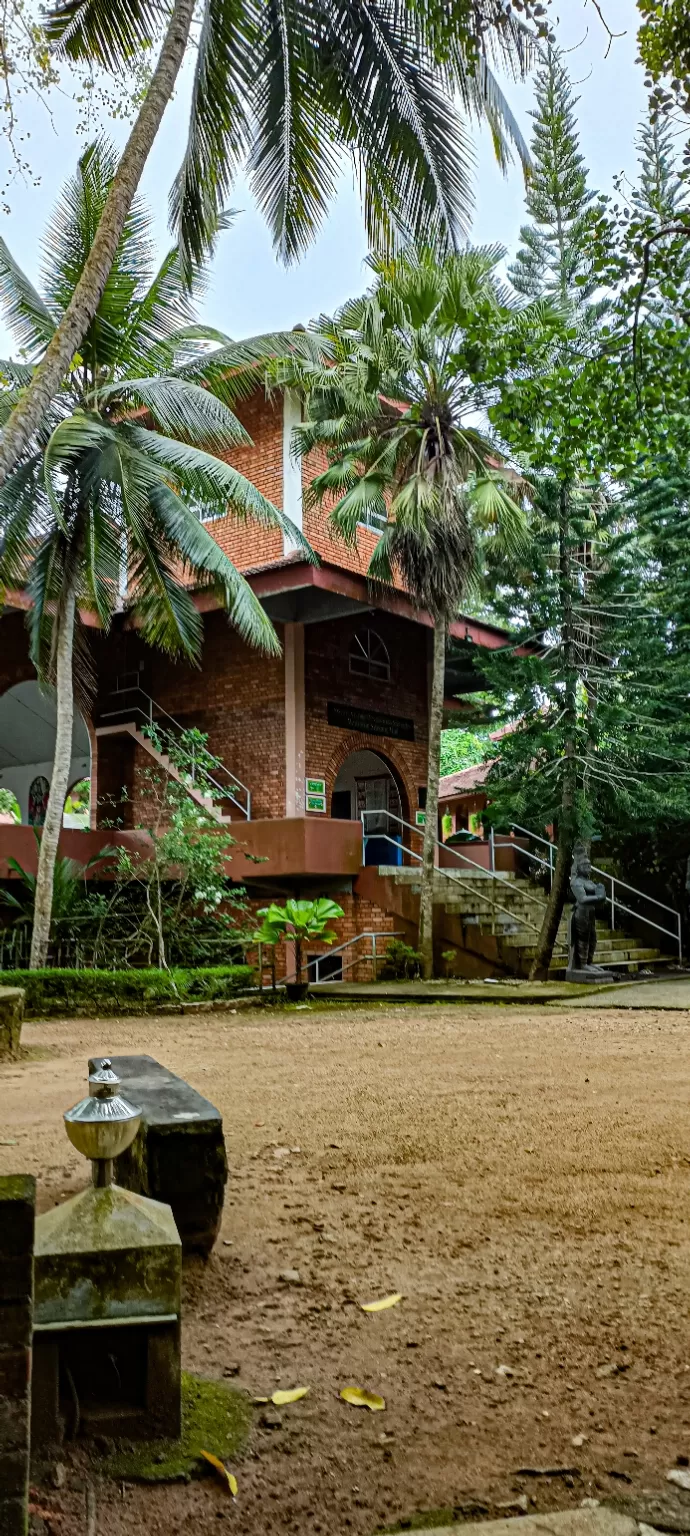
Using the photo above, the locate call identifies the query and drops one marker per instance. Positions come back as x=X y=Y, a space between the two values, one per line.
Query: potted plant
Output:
x=9 y=809
x=301 y=922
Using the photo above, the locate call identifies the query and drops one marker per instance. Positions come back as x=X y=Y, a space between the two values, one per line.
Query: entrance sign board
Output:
x=369 y=721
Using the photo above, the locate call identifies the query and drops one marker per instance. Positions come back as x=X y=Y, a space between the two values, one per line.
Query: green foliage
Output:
x=401 y=963
x=133 y=448
x=70 y=890
x=172 y=896
x=417 y=470
x=9 y=805
x=557 y=246
x=464 y=749
x=664 y=43
x=286 y=88
x=301 y=922
x=93 y=993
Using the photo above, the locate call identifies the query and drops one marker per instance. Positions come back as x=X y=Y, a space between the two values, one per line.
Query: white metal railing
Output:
x=203 y=771
x=374 y=954
x=615 y=903
x=450 y=874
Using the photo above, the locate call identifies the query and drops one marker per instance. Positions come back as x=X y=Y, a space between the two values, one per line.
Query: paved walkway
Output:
x=666 y=992
x=569 y=1522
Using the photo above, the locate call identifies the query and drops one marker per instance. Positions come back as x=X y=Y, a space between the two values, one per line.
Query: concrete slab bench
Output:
x=179 y=1153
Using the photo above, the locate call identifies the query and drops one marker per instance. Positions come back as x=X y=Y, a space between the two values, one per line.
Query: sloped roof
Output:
x=452 y=784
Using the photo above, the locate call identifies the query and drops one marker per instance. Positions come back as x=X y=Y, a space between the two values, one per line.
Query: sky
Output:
x=250 y=290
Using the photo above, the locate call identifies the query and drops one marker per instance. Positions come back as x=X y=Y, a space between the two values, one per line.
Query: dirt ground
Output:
x=520 y=1176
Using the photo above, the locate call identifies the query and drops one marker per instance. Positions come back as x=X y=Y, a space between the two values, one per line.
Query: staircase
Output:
x=497 y=921
x=493 y=919
x=205 y=777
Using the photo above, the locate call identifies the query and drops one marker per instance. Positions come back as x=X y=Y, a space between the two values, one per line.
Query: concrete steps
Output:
x=506 y=912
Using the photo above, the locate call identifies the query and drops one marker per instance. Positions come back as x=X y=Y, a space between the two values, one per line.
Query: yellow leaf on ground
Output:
x=228 y=1477
x=363 y=1399
x=292 y=1396
x=260 y=1399
x=383 y=1304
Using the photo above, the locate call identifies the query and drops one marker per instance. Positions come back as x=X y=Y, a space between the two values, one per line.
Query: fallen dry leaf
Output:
x=360 y=1398
x=259 y=1399
x=291 y=1396
x=227 y=1477
x=383 y=1304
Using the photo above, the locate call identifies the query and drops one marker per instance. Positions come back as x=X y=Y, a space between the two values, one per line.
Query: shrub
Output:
x=402 y=962
x=55 y=993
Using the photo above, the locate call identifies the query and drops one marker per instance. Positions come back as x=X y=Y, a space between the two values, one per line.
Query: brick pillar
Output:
x=17 y=1203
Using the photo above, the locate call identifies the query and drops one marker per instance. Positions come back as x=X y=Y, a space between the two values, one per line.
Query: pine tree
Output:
x=661 y=193
x=555 y=258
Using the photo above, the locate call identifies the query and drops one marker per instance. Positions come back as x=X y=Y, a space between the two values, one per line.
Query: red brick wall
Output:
x=237 y=697
x=15 y=666
x=361 y=916
x=246 y=542
x=327 y=676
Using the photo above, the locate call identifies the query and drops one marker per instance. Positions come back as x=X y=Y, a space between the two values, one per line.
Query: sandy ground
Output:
x=522 y=1177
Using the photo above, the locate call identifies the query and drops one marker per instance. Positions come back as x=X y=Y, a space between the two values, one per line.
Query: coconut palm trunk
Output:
x=66 y=340
x=426 y=899
x=64 y=687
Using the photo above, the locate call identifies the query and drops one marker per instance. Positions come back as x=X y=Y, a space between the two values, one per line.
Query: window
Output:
x=369 y=657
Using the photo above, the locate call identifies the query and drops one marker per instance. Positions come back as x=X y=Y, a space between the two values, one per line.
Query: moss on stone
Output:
x=215 y=1418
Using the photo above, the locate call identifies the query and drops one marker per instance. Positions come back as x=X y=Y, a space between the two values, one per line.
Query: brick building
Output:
x=333 y=728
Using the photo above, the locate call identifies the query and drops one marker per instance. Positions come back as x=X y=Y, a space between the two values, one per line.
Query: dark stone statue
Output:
x=588 y=894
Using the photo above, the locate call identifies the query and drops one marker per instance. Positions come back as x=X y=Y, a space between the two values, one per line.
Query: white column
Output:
x=292 y=468
x=293 y=647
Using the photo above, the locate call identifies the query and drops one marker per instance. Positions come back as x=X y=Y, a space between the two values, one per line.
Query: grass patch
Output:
x=215 y=1418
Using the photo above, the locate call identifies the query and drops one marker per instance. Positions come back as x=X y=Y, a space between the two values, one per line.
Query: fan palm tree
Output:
x=390 y=408
x=108 y=503
x=288 y=87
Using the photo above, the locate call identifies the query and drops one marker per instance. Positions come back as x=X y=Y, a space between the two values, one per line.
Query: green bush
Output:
x=402 y=962
x=52 y=993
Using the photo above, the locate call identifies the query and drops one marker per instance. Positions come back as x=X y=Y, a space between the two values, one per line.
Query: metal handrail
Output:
x=374 y=955
x=615 y=903
x=450 y=874
x=224 y=791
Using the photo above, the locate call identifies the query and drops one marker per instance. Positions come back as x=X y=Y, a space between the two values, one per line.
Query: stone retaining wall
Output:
x=17 y=1206
x=11 y=1015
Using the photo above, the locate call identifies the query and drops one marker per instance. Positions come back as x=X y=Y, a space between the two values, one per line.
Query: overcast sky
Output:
x=250 y=291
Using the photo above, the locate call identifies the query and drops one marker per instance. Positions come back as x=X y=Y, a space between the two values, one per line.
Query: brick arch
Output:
x=358 y=742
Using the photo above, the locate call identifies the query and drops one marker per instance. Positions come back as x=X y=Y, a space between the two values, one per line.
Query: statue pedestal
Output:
x=106 y=1319
x=591 y=973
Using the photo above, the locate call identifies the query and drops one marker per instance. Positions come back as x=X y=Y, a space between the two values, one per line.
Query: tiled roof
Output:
x=465 y=779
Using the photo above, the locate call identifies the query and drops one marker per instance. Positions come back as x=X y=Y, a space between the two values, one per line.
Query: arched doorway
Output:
x=27 y=747
x=367 y=782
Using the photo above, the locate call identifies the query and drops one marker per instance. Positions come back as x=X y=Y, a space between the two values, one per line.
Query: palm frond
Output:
x=210 y=565
x=215 y=487
x=219 y=128
x=26 y=314
x=180 y=409
x=68 y=240
x=106 y=32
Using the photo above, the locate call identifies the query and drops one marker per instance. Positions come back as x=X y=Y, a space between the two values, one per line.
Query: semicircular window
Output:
x=368 y=656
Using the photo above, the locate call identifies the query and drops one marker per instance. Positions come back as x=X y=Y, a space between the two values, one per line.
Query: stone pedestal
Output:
x=179 y=1153
x=107 y=1318
x=11 y=1016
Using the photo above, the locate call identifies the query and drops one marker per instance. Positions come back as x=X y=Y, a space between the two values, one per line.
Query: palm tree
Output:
x=106 y=505
x=288 y=87
x=390 y=408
